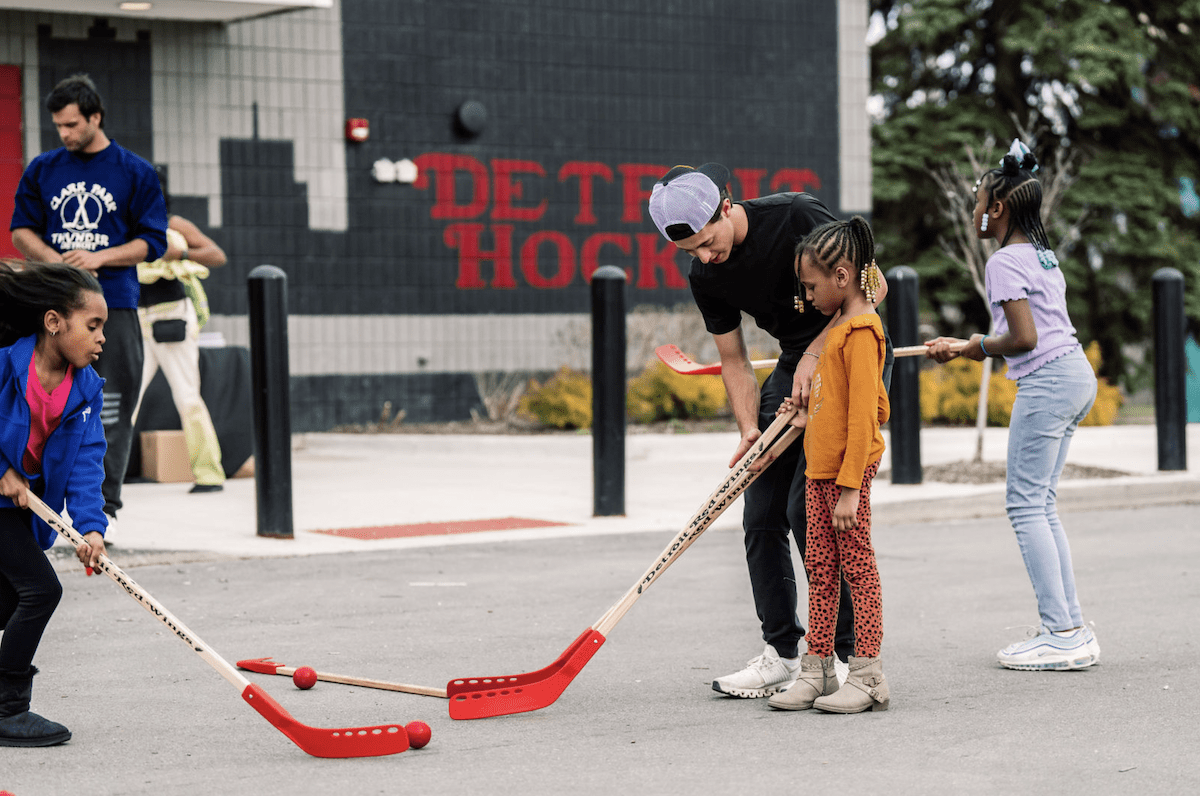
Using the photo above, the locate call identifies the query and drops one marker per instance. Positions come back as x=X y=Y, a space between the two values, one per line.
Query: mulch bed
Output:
x=969 y=472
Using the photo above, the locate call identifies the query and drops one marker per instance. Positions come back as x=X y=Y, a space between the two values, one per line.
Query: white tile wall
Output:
x=365 y=344
x=854 y=85
x=206 y=78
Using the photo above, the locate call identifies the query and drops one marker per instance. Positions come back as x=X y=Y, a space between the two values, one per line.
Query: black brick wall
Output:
x=613 y=83
x=622 y=86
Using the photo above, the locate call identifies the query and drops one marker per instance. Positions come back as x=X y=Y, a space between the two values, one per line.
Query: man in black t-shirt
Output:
x=742 y=261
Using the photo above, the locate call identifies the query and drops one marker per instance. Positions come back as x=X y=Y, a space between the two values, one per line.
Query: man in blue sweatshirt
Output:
x=97 y=206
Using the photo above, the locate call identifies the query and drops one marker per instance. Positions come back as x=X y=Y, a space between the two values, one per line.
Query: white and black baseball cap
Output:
x=685 y=200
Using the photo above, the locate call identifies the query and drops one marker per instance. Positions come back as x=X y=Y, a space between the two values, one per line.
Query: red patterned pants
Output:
x=831 y=553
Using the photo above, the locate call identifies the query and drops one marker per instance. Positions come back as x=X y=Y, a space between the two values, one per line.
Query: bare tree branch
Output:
x=956 y=203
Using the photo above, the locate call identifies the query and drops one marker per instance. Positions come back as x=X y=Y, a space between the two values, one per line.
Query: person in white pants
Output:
x=171 y=333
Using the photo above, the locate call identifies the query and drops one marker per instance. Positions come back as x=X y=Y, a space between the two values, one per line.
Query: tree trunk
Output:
x=981 y=413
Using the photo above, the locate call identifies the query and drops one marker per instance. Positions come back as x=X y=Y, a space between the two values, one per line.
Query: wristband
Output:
x=981 y=348
x=811 y=354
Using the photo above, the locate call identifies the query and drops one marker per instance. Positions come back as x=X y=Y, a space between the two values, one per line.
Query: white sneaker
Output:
x=765 y=675
x=1093 y=646
x=1047 y=651
x=841 y=669
x=110 y=532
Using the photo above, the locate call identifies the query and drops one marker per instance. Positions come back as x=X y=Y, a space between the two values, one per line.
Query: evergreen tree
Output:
x=1113 y=84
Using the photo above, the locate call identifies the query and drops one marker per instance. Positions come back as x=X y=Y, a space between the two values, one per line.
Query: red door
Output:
x=12 y=151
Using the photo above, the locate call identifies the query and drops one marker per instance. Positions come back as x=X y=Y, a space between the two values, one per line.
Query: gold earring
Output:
x=868 y=280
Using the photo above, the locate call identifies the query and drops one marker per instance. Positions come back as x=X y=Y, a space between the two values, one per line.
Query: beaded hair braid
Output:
x=1014 y=184
x=830 y=243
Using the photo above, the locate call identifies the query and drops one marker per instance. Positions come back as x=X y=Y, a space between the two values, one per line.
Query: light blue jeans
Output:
x=1050 y=403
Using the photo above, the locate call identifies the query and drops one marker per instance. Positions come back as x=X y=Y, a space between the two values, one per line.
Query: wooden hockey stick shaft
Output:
x=680 y=363
x=739 y=478
x=268 y=666
x=778 y=436
x=345 y=742
x=482 y=697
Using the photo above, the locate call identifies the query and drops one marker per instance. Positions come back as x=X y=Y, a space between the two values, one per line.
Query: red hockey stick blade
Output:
x=260 y=665
x=387 y=739
x=679 y=362
x=482 y=697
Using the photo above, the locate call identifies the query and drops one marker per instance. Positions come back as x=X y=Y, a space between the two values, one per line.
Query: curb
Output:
x=1072 y=497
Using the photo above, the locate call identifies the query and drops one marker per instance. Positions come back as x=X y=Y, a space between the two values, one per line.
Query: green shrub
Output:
x=660 y=393
x=565 y=401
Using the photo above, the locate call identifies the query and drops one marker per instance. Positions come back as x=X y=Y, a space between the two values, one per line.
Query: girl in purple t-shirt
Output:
x=1055 y=390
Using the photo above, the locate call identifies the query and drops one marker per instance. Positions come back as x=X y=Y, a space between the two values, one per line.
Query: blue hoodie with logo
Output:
x=95 y=202
x=73 y=457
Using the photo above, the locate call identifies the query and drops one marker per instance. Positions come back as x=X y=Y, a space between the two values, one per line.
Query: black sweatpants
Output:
x=121 y=367
x=29 y=591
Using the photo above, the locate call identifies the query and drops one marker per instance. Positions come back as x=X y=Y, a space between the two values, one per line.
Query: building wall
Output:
x=403 y=292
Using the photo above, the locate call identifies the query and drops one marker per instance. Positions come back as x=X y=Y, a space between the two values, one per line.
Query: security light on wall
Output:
x=358 y=130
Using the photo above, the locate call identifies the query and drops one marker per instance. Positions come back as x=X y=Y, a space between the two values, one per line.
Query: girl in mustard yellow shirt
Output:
x=835 y=266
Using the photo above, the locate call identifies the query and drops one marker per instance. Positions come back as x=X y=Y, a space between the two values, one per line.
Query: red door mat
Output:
x=439 y=528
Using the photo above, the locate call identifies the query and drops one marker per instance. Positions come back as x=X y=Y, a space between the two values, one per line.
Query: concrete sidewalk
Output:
x=347 y=481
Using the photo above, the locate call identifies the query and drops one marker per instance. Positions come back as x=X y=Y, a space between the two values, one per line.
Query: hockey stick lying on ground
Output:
x=268 y=666
x=387 y=739
x=679 y=362
x=480 y=697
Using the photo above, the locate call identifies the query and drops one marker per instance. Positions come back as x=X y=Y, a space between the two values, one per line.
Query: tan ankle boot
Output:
x=817 y=678
x=865 y=689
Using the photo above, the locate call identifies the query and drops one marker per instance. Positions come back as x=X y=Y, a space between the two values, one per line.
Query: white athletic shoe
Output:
x=841 y=669
x=765 y=675
x=1093 y=646
x=1047 y=651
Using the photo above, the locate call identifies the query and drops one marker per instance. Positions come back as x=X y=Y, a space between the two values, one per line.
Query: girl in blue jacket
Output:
x=51 y=442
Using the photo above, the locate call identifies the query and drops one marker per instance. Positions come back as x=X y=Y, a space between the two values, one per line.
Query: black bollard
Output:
x=1170 y=369
x=608 y=391
x=272 y=407
x=903 y=305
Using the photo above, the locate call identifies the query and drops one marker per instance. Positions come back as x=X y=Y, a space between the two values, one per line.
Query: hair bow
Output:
x=1018 y=150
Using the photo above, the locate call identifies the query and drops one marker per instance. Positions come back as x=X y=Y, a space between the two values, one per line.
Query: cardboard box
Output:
x=165 y=457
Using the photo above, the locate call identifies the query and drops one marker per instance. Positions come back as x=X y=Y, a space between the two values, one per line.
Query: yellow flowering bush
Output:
x=564 y=401
x=950 y=393
x=660 y=393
